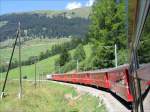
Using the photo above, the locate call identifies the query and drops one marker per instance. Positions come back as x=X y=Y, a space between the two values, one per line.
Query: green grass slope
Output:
x=46 y=66
x=48 y=97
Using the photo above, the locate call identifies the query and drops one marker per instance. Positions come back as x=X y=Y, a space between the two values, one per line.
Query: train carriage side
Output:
x=118 y=79
x=85 y=78
x=56 y=77
x=143 y=74
x=74 y=78
x=99 y=79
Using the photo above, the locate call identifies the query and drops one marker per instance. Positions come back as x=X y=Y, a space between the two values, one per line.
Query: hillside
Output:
x=46 y=66
x=46 y=24
x=78 y=12
x=29 y=48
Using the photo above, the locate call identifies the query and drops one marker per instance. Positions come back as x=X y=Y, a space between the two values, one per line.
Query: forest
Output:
x=37 y=25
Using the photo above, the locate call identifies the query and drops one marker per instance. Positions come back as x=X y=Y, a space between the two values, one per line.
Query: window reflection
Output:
x=144 y=48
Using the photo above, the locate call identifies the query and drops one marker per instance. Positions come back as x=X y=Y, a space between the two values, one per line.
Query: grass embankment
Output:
x=48 y=97
x=45 y=66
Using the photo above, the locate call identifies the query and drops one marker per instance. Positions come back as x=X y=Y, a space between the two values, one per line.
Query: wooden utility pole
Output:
x=35 y=75
x=10 y=61
x=20 y=72
x=116 y=57
x=39 y=79
x=77 y=65
x=39 y=73
x=1 y=75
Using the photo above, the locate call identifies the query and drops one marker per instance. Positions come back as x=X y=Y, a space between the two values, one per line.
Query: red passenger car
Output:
x=119 y=84
x=114 y=79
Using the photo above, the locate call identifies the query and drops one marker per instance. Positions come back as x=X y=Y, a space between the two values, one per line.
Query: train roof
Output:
x=125 y=66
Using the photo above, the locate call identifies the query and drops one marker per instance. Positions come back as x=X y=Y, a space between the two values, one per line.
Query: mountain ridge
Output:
x=86 y=11
x=46 y=23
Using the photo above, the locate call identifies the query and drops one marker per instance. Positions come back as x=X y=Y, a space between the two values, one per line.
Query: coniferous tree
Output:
x=79 y=53
x=64 y=57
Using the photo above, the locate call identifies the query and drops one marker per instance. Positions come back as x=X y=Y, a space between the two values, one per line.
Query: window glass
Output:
x=144 y=49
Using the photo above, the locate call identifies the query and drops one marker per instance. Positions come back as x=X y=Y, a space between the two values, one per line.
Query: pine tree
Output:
x=64 y=57
x=79 y=53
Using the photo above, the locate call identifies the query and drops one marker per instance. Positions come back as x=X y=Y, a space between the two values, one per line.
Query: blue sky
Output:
x=9 y=6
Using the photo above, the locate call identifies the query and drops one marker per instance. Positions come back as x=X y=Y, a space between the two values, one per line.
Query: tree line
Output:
x=43 y=26
x=56 y=49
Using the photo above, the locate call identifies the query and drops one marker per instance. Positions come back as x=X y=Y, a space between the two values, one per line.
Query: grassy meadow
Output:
x=33 y=48
x=29 y=48
x=48 y=97
x=46 y=66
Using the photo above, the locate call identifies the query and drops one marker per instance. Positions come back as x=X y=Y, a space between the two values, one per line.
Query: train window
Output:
x=144 y=48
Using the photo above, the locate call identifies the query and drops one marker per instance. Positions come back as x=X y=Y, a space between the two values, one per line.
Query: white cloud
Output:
x=90 y=3
x=73 y=5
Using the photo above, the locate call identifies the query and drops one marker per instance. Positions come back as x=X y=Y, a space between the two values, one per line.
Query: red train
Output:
x=114 y=79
